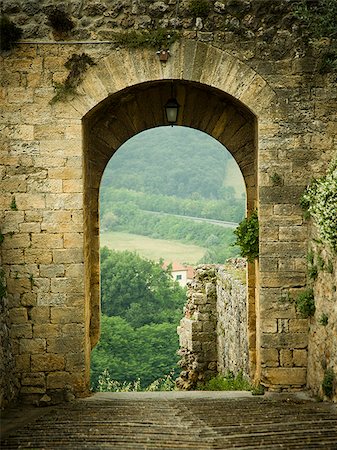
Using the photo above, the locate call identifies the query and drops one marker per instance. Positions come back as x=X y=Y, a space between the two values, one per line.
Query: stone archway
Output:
x=126 y=102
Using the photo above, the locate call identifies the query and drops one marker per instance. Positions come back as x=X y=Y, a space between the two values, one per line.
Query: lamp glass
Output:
x=171 y=109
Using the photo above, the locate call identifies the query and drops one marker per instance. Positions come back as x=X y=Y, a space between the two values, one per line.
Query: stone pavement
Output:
x=174 y=420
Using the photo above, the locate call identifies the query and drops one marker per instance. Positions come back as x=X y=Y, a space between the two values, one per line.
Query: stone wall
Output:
x=232 y=324
x=243 y=74
x=9 y=384
x=213 y=334
x=322 y=348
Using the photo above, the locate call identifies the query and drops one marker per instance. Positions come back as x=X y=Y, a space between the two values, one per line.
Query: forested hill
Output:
x=174 y=161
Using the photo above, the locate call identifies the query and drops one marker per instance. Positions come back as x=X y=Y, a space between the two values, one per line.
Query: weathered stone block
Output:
x=67 y=314
x=51 y=299
x=18 y=315
x=47 y=363
x=21 y=331
x=34 y=345
x=40 y=314
x=52 y=270
x=33 y=379
x=72 y=185
x=22 y=363
x=284 y=340
x=44 y=240
x=46 y=330
x=66 y=285
x=292 y=376
x=58 y=380
x=298 y=325
x=269 y=357
x=28 y=299
x=39 y=256
x=65 y=344
x=300 y=358
x=286 y=358
x=75 y=361
x=73 y=240
x=68 y=256
x=269 y=325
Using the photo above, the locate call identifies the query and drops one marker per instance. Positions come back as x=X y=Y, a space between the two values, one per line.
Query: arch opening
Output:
x=141 y=107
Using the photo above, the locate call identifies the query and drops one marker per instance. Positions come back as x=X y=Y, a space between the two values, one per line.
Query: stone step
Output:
x=180 y=423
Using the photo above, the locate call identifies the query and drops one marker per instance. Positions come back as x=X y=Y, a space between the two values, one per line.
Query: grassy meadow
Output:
x=153 y=249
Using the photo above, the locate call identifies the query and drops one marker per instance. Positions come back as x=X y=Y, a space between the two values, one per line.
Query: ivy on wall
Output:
x=320 y=202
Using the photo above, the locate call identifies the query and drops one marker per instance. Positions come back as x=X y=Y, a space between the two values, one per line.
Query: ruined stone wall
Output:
x=197 y=330
x=213 y=334
x=232 y=324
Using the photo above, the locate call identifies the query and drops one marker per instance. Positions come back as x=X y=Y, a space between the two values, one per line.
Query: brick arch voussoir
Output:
x=190 y=61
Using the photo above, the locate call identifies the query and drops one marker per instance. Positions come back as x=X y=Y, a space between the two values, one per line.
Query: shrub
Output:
x=60 y=21
x=199 y=8
x=229 y=382
x=247 y=237
x=9 y=34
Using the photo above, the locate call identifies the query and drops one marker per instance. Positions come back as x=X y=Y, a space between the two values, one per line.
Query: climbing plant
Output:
x=77 y=66
x=247 y=237
x=320 y=202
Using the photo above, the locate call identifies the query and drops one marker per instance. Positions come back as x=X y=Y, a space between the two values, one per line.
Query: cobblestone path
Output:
x=170 y=422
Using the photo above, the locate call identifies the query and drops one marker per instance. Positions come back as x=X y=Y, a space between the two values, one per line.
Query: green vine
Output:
x=247 y=237
x=77 y=66
x=319 y=201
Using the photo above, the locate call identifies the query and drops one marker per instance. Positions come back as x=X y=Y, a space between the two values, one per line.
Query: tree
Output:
x=148 y=352
x=139 y=290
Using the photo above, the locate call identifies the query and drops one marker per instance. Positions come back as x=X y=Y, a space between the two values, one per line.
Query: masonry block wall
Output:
x=258 y=92
x=213 y=334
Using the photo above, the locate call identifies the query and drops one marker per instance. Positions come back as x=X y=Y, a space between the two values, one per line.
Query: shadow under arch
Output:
x=140 y=107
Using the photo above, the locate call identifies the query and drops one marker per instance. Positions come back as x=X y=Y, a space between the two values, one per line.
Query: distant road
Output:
x=220 y=223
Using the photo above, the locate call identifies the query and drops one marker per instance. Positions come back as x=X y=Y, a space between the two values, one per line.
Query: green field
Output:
x=154 y=249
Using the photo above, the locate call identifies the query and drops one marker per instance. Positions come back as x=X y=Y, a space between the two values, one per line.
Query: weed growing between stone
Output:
x=324 y=319
x=107 y=384
x=305 y=303
x=228 y=382
x=328 y=382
